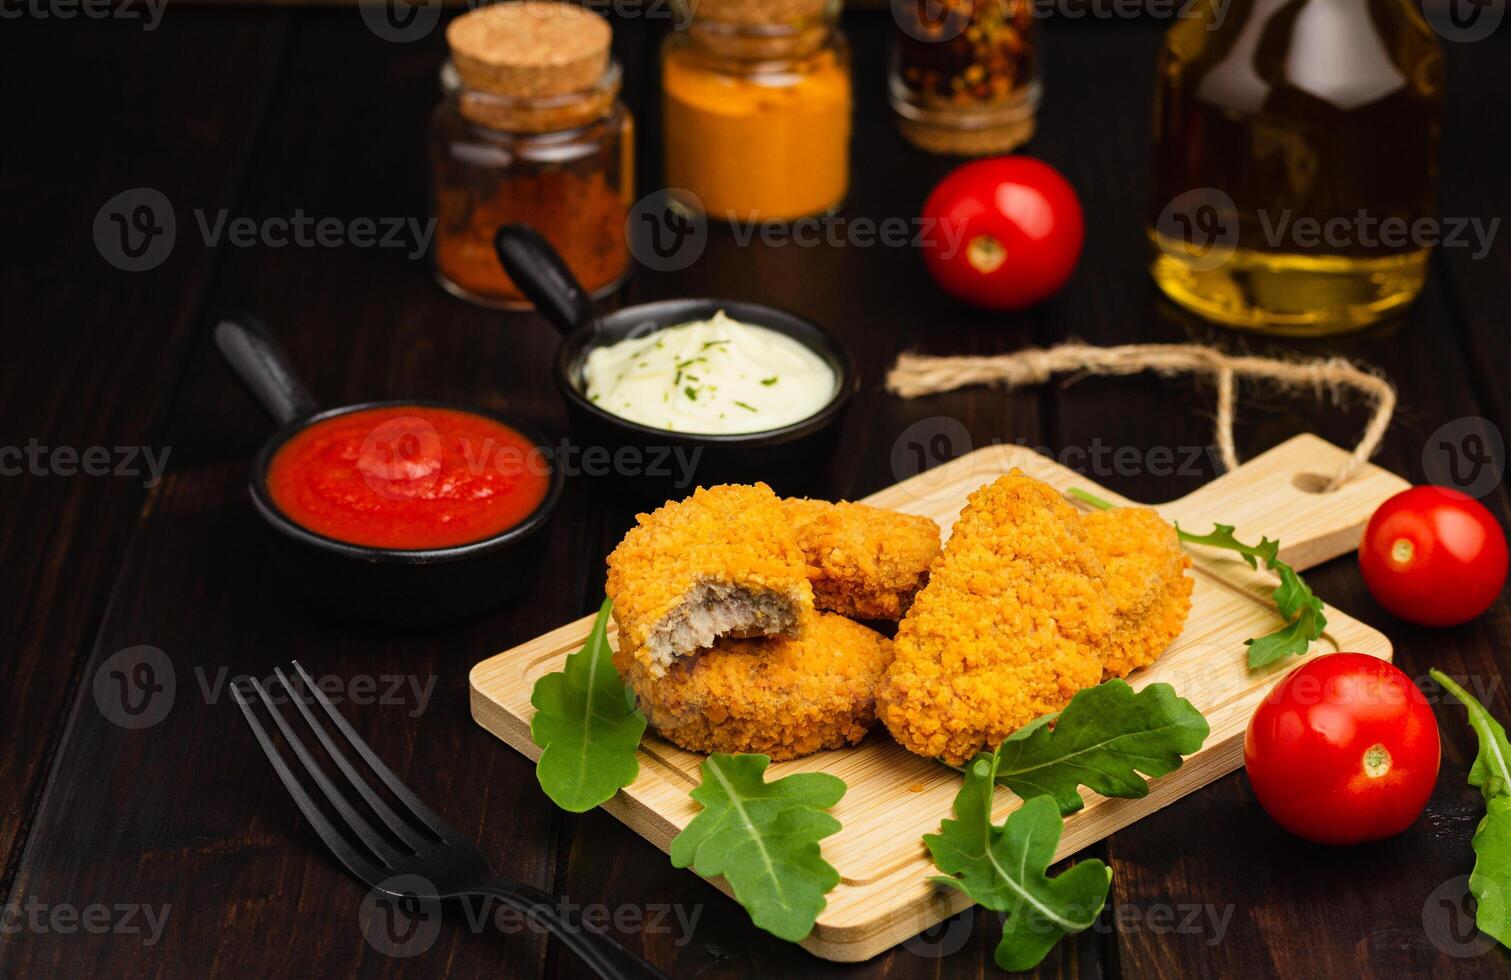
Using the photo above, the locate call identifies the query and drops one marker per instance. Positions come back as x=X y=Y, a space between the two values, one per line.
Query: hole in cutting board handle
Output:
x=1310 y=482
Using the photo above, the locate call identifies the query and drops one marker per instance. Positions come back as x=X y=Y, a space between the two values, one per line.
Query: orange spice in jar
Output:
x=757 y=107
x=531 y=130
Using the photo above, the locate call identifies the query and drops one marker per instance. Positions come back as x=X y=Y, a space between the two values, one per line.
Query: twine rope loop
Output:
x=915 y=375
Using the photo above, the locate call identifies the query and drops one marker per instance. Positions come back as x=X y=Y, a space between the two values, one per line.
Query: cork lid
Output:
x=761 y=12
x=529 y=48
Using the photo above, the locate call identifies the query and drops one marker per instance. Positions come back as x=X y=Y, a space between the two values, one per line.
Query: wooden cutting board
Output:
x=894 y=798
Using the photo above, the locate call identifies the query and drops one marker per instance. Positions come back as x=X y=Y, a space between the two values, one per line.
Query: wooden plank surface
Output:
x=93 y=351
x=191 y=816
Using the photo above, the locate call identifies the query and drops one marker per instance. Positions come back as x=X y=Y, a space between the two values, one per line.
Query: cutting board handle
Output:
x=1278 y=494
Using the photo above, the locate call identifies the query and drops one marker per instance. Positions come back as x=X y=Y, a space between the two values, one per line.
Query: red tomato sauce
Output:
x=408 y=477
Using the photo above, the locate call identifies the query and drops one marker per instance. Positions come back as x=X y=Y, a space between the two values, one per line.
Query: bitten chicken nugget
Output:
x=723 y=562
x=1009 y=628
x=781 y=697
x=864 y=562
x=1147 y=582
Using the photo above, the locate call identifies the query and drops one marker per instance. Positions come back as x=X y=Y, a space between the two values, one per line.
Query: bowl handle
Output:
x=541 y=274
x=262 y=366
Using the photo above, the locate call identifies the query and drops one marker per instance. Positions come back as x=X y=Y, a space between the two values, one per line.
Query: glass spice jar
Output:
x=757 y=103
x=530 y=130
x=965 y=78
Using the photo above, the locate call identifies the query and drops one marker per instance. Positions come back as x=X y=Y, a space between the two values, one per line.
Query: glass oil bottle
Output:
x=1296 y=161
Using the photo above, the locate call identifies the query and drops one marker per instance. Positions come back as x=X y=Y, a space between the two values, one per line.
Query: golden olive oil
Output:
x=1296 y=161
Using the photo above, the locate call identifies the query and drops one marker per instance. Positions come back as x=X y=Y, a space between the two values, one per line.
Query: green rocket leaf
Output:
x=1004 y=868
x=1103 y=739
x=586 y=725
x=763 y=838
x=1491 y=771
x=1298 y=606
x=1490 y=881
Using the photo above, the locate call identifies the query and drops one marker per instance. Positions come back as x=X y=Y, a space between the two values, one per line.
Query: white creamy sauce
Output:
x=710 y=376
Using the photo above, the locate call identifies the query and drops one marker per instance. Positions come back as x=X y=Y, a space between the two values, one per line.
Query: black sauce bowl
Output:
x=359 y=582
x=788 y=458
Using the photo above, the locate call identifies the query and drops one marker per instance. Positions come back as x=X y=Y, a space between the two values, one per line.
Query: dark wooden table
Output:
x=271 y=113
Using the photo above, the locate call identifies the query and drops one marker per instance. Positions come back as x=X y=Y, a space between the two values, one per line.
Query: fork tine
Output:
x=345 y=853
x=401 y=792
x=400 y=829
x=358 y=824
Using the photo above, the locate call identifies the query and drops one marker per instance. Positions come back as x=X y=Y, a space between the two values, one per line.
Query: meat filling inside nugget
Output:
x=864 y=562
x=1010 y=626
x=722 y=563
x=781 y=697
x=1147 y=582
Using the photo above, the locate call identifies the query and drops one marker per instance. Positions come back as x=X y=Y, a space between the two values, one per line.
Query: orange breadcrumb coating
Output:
x=781 y=697
x=723 y=562
x=864 y=562
x=1147 y=581
x=1009 y=628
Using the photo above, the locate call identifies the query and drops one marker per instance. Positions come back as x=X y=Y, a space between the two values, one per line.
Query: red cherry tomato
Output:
x=1006 y=232
x=1344 y=750
x=1433 y=556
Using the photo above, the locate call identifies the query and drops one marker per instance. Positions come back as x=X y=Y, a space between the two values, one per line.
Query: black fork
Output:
x=430 y=856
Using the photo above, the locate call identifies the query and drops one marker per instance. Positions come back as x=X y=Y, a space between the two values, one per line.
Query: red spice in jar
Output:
x=531 y=131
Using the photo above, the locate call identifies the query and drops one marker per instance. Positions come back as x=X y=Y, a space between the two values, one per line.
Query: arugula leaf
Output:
x=763 y=838
x=1491 y=771
x=586 y=725
x=1490 y=881
x=1103 y=739
x=1004 y=868
x=1297 y=604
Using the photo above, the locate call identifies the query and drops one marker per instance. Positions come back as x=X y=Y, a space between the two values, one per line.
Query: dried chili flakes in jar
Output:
x=965 y=78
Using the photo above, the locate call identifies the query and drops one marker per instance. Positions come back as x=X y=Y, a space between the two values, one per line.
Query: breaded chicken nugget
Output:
x=864 y=562
x=781 y=697
x=1147 y=582
x=1009 y=628
x=723 y=562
